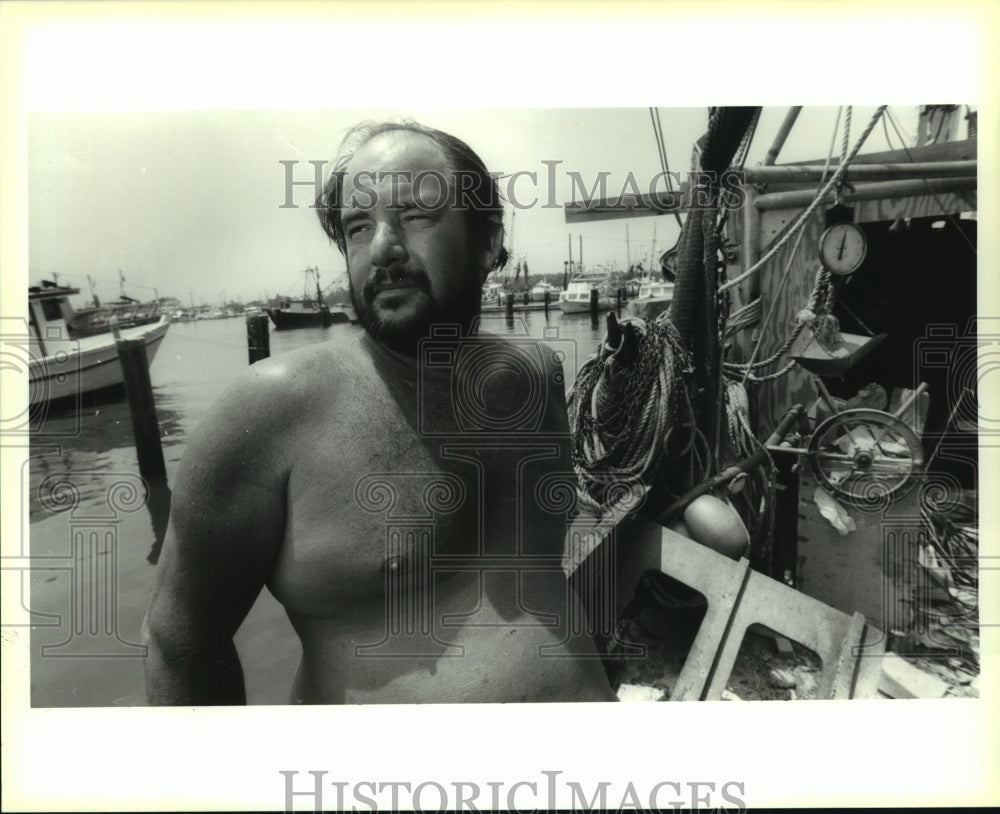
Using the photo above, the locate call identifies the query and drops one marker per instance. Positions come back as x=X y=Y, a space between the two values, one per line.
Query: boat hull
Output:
x=86 y=365
x=288 y=320
x=583 y=306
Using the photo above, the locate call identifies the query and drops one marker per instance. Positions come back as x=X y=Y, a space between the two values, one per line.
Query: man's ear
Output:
x=495 y=250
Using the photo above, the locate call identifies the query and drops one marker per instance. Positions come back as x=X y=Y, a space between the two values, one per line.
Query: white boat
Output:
x=491 y=292
x=655 y=289
x=541 y=289
x=576 y=298
x=64 y=364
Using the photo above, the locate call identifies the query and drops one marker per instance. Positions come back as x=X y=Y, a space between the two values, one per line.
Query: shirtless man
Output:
x=384 y=488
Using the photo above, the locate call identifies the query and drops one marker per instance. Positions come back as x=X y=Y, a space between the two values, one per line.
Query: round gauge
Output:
x=842 y=248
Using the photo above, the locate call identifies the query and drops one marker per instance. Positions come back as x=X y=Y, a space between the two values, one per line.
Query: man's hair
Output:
x=481 y=198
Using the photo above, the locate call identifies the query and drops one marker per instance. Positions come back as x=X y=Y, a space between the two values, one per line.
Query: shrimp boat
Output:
x=306 y=312
x=66 y=361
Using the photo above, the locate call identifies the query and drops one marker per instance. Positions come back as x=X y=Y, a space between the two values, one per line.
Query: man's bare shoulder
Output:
x=266 y=403
x=291 y=381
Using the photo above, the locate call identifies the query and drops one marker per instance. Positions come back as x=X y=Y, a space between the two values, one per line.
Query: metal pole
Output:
x=794 y=199
x=779 y=139
x=813 y=173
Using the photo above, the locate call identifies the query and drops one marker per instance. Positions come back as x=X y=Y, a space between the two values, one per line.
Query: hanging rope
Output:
x=845 y=142
x=817 y=312
x=752 y=495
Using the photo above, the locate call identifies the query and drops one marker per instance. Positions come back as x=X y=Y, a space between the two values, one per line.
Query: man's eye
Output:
x=357 y=230
x=415 y=216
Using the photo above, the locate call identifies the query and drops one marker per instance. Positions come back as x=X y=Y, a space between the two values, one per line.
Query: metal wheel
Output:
x=865 y=456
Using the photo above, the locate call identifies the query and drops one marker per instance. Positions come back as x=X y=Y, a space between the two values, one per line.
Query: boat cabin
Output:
x=49 y=312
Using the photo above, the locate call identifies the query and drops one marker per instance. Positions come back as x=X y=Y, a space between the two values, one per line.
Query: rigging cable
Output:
x=930 y=189
x=661 y=148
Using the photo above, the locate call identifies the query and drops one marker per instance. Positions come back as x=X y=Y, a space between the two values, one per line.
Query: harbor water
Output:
x=96 y=526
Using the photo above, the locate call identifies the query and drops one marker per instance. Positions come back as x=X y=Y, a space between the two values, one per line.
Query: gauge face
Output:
x=842 y=248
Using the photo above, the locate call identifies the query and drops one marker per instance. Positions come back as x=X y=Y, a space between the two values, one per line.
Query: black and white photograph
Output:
x=335 y=426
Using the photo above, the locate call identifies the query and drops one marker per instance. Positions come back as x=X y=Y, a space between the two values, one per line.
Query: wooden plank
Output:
x=786 y=611
x=843 y=667
x=721 y=580
x=868 y=660
x=900 y=679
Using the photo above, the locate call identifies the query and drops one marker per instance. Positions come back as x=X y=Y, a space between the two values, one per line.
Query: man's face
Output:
x=410 y=257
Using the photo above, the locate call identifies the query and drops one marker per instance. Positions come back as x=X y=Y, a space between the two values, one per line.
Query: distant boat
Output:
x=128 y=313
x=64 y=362
x=655 y=289
x=306 y=312
x=541 y=289
x=576 y=298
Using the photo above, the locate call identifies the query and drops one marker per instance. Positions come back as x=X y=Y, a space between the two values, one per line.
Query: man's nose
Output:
x=388 y=247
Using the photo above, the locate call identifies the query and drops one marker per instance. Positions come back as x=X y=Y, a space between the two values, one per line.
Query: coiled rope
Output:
x=620 y=409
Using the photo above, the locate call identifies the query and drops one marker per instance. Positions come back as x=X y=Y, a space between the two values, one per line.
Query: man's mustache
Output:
x=382 y=279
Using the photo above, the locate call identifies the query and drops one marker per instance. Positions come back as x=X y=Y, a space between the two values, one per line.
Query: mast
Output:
x=93 y=293
x=319 y=294
x=652 y=252
x=628 y=248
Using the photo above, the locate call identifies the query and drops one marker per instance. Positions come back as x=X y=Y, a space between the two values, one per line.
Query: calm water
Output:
x=92 y=449
x=196 y=363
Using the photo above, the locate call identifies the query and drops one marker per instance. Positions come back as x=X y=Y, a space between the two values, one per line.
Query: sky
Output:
x=192 y=204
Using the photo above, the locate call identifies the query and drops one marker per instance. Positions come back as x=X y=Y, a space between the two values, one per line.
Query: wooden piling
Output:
x=593 y=303
x=510 y=305
x=548 y=299
x=139 y=390
x=619 y=293
x=258 y=338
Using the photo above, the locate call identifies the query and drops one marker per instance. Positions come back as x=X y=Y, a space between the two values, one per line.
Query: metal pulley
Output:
x=865 y=456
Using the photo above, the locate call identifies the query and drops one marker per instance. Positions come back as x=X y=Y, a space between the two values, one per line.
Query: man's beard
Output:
x=402 y=335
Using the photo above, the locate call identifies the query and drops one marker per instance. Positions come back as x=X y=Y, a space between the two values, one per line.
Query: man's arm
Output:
x=226 y=526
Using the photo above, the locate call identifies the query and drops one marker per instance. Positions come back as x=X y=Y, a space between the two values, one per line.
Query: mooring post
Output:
x=510 y=305
x=593 y=303
x=258 y=338
x=139 y=390
x=619 y=293
x=548 y=298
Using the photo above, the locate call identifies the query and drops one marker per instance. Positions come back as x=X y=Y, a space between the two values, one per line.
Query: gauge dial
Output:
x=842 y=248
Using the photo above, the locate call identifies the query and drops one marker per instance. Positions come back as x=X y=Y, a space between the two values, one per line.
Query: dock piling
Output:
x=548 y=299
x=142 y=407
x=258 y=338
x=510 y=306
x=593 y=303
